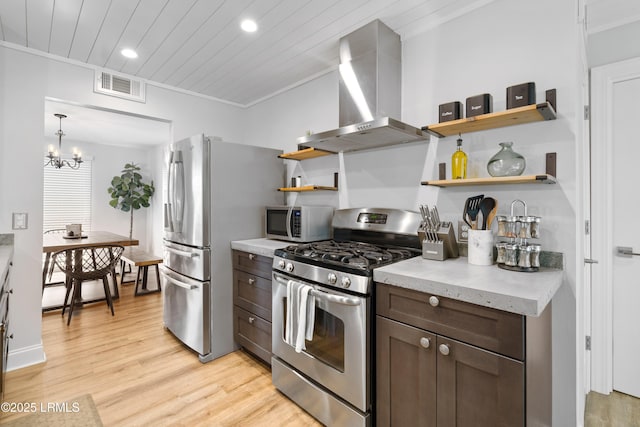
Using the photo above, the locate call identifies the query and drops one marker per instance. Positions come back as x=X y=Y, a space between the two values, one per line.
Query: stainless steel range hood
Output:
x=369 y=93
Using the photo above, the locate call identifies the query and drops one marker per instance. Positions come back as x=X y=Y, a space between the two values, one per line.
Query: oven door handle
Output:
x=338 y=299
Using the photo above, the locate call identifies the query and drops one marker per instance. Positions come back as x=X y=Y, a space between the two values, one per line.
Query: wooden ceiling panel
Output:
x=39 y=13
x=215 y=34
x=197 y=45
x=65 y=17
x=14 y=21
x=92 y=15
x=116 y=21
x=159 y=64
x=160 y=31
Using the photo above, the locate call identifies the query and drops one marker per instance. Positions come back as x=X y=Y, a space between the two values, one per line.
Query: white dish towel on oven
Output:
x=301 y=311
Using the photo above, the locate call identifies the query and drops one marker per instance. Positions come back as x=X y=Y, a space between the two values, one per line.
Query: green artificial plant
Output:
x=128 y=192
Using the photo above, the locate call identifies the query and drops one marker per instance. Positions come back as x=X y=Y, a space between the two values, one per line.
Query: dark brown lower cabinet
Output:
x=425 y=378
x=252 y=303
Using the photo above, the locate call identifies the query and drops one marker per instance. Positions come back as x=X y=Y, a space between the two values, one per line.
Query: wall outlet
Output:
x=463 y=231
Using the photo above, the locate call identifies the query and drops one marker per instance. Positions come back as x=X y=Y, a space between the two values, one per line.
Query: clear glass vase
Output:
x=506 y=162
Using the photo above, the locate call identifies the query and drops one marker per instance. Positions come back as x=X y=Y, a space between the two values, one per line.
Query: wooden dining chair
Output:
x=87 y=263
x=48 y=265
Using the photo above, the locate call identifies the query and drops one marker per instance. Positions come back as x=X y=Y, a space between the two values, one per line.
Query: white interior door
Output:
x=615 y=202
x=626 y=232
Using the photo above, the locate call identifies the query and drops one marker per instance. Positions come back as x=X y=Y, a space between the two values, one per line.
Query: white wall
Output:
x=26 y=80
x=504 y=43
x=615 y=44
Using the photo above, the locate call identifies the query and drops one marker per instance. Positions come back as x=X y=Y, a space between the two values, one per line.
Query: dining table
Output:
x=54 y=242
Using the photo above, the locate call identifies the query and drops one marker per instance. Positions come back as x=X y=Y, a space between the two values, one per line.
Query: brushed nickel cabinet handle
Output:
x=444 y=349
x=252 y=257
x=252 y=319
x=434 y=301
x=425 y=342
x=252 y=281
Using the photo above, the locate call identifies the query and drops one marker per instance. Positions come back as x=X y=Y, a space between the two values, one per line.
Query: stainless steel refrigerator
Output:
x=214 y=192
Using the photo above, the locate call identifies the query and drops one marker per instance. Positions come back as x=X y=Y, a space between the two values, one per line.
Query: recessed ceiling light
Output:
x=129 y=53
x=249 y=25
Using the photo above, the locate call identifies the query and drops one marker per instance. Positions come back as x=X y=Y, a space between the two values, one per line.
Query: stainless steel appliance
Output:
x=331 y=378
x=370 y=74
x=298 y=223
x=215 y=192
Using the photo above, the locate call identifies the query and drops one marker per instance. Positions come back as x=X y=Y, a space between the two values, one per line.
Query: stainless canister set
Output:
x=517 y=253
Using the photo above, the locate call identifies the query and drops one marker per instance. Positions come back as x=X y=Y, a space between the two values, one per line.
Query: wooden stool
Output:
x=142 y=260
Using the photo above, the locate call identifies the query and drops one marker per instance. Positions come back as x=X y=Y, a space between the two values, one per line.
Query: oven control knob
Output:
x=281 y=264
x=332 y=278
x=346 y=282
x=289 y=267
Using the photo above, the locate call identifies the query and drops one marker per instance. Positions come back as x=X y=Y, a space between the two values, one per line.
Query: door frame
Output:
x=603 y=79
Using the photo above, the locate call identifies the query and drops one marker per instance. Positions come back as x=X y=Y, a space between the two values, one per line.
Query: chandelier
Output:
x=54 y=157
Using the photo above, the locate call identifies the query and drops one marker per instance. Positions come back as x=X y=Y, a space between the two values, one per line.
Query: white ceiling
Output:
x=197 y=45
x=101 y=126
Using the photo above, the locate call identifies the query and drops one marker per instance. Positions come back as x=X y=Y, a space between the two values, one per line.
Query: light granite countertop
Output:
x=490 y=286
x=264 y=247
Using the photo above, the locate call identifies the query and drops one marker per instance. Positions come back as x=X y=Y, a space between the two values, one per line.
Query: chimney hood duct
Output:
x=370 y=87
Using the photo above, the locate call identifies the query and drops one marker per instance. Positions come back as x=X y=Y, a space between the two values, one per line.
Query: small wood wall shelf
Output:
x=514 y=116
x=526 y=179
x=307 y=188
x=307 y=153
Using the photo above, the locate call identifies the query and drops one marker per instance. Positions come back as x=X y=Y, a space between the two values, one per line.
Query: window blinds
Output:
x=67 y=197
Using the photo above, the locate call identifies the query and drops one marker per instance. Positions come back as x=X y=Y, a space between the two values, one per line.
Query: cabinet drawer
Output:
x=252 y=333
x=252 y=293
x=253 y=264
x=485 y=327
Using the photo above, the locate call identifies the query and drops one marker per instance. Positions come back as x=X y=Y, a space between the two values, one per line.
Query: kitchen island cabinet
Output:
x=252 y=260
x=445 y=362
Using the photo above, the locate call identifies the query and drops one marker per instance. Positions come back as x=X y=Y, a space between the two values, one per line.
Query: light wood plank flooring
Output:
x=140 y=374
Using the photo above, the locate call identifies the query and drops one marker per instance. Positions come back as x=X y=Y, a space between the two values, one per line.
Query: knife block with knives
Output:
x=437 y=237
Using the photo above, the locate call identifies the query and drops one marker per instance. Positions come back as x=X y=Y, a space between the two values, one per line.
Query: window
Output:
x=67 y=197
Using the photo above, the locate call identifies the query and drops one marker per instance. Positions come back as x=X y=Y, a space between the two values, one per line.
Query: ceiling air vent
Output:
x=123 y=87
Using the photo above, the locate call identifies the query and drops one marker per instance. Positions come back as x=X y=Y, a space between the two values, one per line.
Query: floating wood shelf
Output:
x=526 y=179
x=307 y=153
x=307 y=188
x=514 y=116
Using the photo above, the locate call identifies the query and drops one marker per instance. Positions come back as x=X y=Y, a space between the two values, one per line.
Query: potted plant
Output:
x=128 y=192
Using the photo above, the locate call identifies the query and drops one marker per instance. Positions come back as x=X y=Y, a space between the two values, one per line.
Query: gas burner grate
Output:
x=351 y=254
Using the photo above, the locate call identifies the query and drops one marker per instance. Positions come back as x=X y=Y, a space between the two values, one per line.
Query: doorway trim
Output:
x=603 y=79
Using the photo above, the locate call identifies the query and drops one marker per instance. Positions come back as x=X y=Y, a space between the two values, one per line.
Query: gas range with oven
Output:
x=330 y=378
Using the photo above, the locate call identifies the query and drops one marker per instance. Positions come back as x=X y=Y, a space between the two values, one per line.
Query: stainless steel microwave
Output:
x=298 y=223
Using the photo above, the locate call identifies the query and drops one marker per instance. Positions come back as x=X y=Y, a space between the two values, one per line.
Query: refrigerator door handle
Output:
x=179 y=283
x=182 y=253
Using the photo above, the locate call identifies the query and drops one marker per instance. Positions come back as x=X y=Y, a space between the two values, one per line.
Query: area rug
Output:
x=78 y=412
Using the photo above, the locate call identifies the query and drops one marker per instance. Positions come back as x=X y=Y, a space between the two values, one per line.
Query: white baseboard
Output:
x=26 y=356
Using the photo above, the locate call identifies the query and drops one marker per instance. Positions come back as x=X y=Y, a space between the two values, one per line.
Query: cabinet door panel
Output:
x=252 y=263
x=478 y=388
x=485 y=327
x=253 y=333
x=252 y=293
x=406 y=375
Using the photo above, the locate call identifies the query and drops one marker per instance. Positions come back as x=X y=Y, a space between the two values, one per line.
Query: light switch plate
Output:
x=20 y=220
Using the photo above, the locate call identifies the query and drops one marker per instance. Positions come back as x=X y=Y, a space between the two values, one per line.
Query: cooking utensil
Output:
x=486 y=205
x=492 y=215
x=471 y=209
